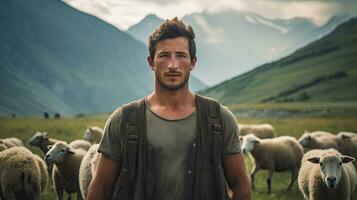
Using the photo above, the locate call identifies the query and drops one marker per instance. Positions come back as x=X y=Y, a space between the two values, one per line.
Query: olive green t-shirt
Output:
x=171 y=140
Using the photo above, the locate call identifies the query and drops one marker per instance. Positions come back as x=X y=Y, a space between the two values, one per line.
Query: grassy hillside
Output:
x=55 y=58
x=324 y=71
x=70 y=129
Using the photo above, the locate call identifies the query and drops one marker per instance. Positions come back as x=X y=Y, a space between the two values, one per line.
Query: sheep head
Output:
x=38 y=138
x=331 y=166
x=249 y=142
x=58 y=152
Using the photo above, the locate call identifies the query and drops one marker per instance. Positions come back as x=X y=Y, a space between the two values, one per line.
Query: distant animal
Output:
x=260 y=130
x=65 y=174
x=57 y=116
x=93 y=134
x=46 y=115
x=327 y=175
x=273 y=154
x=20 y=176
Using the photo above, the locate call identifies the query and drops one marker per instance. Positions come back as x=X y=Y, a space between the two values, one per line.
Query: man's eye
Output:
x=164 y=55
x=181 y=56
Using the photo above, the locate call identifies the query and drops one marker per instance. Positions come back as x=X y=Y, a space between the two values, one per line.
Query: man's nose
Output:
x=173 y=64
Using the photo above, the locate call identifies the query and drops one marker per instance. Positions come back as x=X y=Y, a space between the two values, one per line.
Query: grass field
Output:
x=69 y=129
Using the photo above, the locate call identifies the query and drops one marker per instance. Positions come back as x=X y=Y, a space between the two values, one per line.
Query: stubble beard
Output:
x=173 y=87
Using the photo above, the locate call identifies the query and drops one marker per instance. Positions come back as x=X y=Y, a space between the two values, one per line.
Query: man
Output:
x=162 y=147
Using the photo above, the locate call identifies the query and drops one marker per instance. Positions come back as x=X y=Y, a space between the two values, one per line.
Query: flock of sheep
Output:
x=23 y=174
x=325 y=172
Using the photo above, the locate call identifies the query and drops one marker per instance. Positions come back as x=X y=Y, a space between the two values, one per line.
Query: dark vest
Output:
x=205 y=174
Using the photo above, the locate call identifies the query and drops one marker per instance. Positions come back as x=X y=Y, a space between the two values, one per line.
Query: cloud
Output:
x=125 y=13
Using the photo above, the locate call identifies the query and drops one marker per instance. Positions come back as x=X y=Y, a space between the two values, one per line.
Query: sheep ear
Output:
x=49 y=147
x=256 y=141
x=90 y=128
x=315 y=160
x=70 y=151
x=347 y=159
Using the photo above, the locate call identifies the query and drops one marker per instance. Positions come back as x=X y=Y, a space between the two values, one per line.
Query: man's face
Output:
x=172 y=63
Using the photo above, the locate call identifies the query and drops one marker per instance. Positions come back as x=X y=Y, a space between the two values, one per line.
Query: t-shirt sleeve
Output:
x=111 y=143
x=231 y=132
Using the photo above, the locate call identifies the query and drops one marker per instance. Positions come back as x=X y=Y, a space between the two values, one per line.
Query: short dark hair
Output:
x=172 y=28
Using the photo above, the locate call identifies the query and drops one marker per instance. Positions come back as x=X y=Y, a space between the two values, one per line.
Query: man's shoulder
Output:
x=118 y=113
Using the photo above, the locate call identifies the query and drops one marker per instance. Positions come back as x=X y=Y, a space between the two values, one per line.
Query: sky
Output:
x=126 y=13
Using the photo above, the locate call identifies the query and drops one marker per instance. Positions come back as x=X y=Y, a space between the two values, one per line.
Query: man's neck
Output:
x=172 y=104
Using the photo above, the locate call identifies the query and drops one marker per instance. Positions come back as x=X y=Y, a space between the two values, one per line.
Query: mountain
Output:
x=231 y=42
x=57 y=59
x=323 y=71
x=145 y=27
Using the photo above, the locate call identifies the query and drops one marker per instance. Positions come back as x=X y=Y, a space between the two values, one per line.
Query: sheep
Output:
x=66 y=161
x=19 y=174
x=344 y=142
x=327 y=175
x=93 y=134
x=319 y=140
x=12 y=142
x=88 y=168
x=43 y=171
x=80 y=144
x=348 y=145
x=260 y=130
x=273 y=154
x=41 y=140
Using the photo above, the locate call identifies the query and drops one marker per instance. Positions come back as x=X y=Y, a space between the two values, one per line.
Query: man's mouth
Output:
x=172 y=74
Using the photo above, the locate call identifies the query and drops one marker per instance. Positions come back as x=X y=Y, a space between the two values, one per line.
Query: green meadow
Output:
x=73 y=128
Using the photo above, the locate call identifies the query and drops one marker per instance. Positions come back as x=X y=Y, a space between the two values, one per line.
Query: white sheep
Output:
x=43 y=171
x=80 y=144
x=260 y=130
x=19 y=174
x=88 y=168
x=327 y=175
x=319 y=140
x=66 y=161
x=344 y=142
x=93 y=134
x=11 y=142
x=273 y=154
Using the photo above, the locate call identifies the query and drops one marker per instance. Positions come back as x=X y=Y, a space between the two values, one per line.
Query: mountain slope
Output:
x=57 y=59
x=324 y=71
x=231 y=42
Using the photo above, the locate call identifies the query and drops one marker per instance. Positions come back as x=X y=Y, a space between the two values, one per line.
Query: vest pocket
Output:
x=213 y=185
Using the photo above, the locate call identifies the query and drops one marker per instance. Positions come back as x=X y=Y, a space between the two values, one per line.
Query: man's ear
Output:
x=151 y=62
x=193 y=62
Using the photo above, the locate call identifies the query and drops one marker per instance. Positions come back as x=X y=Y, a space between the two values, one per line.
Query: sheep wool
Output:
x=327 y=175
x=19 y=174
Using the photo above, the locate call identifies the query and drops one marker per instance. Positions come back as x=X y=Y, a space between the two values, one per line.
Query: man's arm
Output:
x=237 y=176
x=103 y=182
